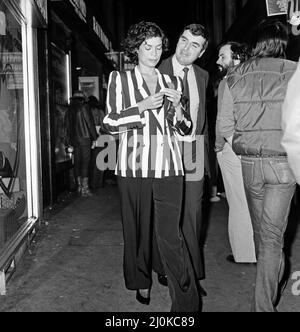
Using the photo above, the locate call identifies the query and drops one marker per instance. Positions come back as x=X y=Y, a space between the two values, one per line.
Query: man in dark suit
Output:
x=191 y=46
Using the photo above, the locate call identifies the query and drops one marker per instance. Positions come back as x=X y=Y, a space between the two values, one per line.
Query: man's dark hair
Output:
x=197 y=29
x=239 y=51
x=270 y=40
x=137 y=34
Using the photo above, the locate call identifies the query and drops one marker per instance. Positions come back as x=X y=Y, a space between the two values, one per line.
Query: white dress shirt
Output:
x=194 y=94
x=194 y=108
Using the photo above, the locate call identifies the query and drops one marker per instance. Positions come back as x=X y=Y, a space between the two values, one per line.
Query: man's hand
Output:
x=173 y=96
x=152 y=102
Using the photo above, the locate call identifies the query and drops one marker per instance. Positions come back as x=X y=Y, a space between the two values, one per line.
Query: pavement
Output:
x=74 y=263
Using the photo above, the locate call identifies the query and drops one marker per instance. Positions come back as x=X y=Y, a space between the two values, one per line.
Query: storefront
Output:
x=20 y=160
x=78 y=62
x=60 y=89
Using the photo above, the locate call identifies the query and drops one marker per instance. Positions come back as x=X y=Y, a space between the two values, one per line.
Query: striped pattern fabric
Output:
x=148 y=145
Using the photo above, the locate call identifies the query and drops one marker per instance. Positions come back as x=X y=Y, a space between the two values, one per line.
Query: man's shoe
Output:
x=230 y=259
x=140 y=298
x=162 y=279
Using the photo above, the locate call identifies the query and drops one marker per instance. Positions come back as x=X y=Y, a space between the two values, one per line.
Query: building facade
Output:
x=48 y=49
x=22 y=37
x=78 y=44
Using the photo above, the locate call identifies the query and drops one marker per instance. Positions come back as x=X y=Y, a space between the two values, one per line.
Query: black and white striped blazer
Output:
x=148 y=147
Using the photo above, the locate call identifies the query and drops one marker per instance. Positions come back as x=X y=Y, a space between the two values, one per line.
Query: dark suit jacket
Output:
x=202 y=76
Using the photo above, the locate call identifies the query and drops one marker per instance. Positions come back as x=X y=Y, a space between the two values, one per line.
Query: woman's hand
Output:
x=152 y=102
x=173 y=96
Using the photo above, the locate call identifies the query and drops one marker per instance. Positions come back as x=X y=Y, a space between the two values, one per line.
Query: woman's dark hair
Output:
x=137 y=34
x=270 y=40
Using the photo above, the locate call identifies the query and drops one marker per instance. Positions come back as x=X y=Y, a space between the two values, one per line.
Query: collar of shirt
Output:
x=194 y=102
x=178 y=68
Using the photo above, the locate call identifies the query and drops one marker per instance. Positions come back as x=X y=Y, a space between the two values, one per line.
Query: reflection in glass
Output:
x=13 y=205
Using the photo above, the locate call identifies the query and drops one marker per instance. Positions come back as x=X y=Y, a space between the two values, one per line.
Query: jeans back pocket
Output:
x=282 y=172
x=248 y=171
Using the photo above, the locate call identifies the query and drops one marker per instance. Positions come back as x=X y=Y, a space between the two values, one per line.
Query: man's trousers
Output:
x=239 y=222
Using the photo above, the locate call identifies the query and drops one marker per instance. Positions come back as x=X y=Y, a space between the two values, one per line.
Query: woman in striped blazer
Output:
x=144 y=109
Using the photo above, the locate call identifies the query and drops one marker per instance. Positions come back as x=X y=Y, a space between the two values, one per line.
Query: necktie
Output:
x=186 y=92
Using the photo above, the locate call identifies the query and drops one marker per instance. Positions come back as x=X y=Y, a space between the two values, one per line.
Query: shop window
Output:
x=13 y=185
x=61 y=98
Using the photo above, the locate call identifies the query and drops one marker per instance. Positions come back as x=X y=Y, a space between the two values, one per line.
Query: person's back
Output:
x=96 y=175
x=258 y=88
x=96 y=110
x=82 y=133
x=82 y=125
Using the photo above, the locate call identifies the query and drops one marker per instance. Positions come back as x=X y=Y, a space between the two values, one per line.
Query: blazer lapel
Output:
x=145 y=93
x=157 y=113
x=161 y=84
x=141 y=84
x=201 y=118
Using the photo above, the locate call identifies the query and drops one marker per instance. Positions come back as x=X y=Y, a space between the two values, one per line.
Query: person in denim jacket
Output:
x=252 y=124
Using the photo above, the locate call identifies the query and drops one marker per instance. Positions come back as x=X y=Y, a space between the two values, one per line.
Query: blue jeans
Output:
x=270 y=186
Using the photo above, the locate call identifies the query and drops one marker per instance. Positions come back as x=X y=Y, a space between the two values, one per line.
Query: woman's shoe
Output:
x=230 y=259
x=162 y=279
x=142 y=299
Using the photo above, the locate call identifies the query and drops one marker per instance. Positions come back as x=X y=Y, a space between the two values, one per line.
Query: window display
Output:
x=13 y=202
x=60 y=87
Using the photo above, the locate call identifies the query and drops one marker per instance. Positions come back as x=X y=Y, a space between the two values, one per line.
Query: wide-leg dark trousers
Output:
x=137 y=196
x=192 y=223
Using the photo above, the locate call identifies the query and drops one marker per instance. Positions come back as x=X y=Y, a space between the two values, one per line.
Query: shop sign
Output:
x=114 y=57
x=42 y=5
x=89 y=85
x=80 y=8
x=100 y=33
x=276 y=7
x=12 y=69
x=120 y=61
x=291 y=8
x=124 y=62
